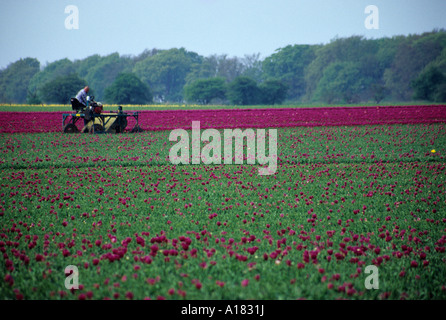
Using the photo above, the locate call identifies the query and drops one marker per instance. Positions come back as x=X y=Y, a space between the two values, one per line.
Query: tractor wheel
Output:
x=96 y=128
x=137 y=129
x=70 y=128
x=123 y=124
x=119 y=125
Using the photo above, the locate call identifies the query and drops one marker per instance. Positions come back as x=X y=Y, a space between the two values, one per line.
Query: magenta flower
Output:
x=9 y=279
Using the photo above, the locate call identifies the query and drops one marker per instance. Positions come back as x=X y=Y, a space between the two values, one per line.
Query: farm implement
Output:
x=95 y=120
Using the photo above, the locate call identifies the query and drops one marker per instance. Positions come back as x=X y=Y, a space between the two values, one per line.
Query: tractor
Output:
x=95 y=120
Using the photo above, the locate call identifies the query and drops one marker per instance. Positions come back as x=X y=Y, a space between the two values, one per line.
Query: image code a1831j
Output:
x=235 y=309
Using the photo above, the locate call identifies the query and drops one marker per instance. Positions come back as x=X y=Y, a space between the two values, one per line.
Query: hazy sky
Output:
x=38 y=28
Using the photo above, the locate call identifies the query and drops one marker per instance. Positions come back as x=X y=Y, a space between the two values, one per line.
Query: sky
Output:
x=50 y=30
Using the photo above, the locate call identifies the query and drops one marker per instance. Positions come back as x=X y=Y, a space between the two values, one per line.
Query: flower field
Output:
x=36 y=122
x=354 y=187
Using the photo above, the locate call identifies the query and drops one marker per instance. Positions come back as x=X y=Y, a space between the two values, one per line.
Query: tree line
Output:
x=345 y=70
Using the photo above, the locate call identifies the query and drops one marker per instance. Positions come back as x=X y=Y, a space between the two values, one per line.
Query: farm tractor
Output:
x=95 y=120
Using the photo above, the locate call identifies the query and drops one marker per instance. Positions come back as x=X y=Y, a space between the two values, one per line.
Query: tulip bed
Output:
x=136 y=226
x=159 y=120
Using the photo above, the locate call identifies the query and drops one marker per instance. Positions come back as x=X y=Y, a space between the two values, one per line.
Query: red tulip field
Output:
x=354 y=187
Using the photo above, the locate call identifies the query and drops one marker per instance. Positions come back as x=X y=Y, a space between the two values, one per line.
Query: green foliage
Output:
x=289 y=66
x=85 y=67
x=102 y=72
x=61 y=89
x=428 y=85
x=244 y=91
x=386 y=68
x=165 y=72
x=128 y=89
x=441 y=93
x=379 y=92
x=413 y=54
x=14 y=80
x=252 y=67
x=208 y=68
x=56 y=69
x=339 y=83
x=205 y=90
x=33 y=98
x=273 y=91
x=354 y=49
x=221 y=66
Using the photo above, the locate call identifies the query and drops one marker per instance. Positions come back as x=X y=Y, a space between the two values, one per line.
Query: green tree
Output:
x=3 y=97
x=128 y=89
x=440 y=95
x=354 y=49
x=15 y=79
x=273 y=91
x=205 y=90
x=61 y=89
x=143 y=55
x=413 y=54
x=378 y=92
x=85 y=66
x=289 y=65
x=51 y=71
x=252 y=67
x=244 y=91
x=101 y=72
x=165 y=72
x=221 y=66
x=429 y=84
x=206 y=68
x=340 y=83
x=33 y=98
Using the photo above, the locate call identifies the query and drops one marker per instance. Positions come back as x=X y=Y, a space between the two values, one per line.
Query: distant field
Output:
x=54 y=107
x=173 y=118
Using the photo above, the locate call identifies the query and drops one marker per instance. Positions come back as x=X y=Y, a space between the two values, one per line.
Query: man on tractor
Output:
x=82 y=95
